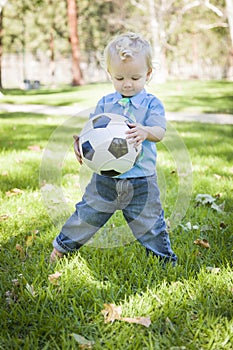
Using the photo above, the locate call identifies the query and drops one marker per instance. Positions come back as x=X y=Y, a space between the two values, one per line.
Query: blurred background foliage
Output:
x=190 y=38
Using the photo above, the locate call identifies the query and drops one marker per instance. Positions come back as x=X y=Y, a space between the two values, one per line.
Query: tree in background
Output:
x=2 y=4
x=49 y=34
x=179 y=33
x=1 y=16
x=72 y=15
x=19 y=29
x=229 y=11
x=186 y=35
x=37 y=27
x=99 y=21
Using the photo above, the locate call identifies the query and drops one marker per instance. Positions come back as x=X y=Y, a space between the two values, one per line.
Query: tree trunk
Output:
x=1 y=17
x=229 y=10
x=52 y=57
x=2 y=4
x=72 y=14
x=159 y=52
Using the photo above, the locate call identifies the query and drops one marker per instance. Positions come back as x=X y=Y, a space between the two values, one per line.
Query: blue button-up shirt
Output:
x=147 y=110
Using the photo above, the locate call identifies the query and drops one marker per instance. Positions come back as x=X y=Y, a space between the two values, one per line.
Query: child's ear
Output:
x=109 y=75
x=148 y=76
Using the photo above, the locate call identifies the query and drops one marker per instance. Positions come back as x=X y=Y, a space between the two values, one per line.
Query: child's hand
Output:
x=136 y=134
x=76 y=149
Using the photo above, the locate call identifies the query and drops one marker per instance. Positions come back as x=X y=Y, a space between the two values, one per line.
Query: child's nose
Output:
x=127 y=83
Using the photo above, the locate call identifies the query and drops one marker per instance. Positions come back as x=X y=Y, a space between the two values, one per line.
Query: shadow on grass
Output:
x=220 y=105
x=21 y=116
x=208 y=97
x=50 y=91
x=20 y=135
x=25 y=176
x=62 y=96
x=43 y=91
x=211 y=137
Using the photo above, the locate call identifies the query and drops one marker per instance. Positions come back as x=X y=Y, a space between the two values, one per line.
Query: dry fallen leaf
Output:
x=220 y=208
x=206 y=228
x=204 y=199
x=35 y=148
x=54 y=277
x=208 y=199
x=30 y=289
x=222 y=225
x=84 y=343
x=202 y=243
x=14 y=192
x=113 y=312
x=144 y=321
x=30 y=240
x=218 y=177
x=11 y=297
x=213 y=269
x=21 y=251
x=4 y=217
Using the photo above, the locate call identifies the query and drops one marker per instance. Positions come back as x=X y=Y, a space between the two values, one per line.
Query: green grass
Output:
x=190 y=307
x=197 y=96
x=62 y=96
x=184 y=96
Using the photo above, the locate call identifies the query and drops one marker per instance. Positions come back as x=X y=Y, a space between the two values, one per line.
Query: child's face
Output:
x=129 y=76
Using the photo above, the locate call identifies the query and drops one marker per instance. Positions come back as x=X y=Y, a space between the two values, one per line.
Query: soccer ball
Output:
x=103 y=145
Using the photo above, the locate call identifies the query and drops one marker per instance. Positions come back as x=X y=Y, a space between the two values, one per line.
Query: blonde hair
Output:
x=128 y=45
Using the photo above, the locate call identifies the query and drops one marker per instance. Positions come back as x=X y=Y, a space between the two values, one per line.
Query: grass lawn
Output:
x=50 y=307
x=184 y=96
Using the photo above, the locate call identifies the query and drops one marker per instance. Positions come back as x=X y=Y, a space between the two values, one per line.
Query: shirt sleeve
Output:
x=156 y=114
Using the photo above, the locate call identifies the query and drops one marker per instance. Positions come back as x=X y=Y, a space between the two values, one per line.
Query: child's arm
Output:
x=138 y=133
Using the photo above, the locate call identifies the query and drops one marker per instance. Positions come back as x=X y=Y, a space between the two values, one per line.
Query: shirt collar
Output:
x=136 y=100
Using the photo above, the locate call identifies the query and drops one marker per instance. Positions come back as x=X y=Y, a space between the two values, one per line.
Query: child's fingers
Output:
x=131 y=126
x=76 y=148
x=76 y=145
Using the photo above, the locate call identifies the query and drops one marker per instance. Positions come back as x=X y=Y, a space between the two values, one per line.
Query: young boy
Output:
x=129 y=65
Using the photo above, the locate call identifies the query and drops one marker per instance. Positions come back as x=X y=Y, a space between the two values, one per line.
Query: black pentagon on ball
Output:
x=118 y=147
x=109 y=173
x=88 y=151
x=101 y=122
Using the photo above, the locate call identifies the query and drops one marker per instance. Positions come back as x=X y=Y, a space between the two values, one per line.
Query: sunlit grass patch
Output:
x=187 y=96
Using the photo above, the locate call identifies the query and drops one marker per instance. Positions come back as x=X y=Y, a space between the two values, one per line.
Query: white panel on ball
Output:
x=104 y=147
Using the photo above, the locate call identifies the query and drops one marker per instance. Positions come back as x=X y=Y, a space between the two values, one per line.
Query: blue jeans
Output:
x=139 y=200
